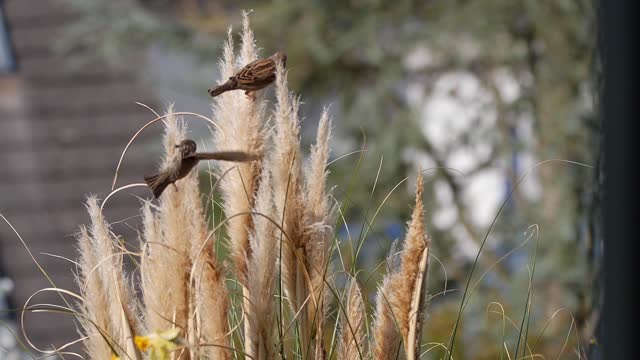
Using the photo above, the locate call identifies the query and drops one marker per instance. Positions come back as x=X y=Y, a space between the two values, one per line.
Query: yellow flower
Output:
x=142 y=342
x=115 y=357
x=159 y=344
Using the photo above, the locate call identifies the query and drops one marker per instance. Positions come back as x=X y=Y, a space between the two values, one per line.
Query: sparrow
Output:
x=254 y=76
x=186 y=160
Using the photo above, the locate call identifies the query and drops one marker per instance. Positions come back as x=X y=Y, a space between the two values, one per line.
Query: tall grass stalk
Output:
x=279 y=229
x=400 y=299
x=277 y=297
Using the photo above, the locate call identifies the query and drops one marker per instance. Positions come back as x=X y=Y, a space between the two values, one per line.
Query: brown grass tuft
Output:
x=241 y=123
x=182 y=286
x=242 y=127
x=157 y=307
x=209 y=295
x=168 y=261
x=107 y=275
x=318 y=231
x=352 y=338
x=399 y=300
x=262 y=270
x=211 y=305
x=286 y=169
x=94 y=319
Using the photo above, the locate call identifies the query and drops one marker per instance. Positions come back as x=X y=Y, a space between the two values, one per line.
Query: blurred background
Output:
x=478 y=94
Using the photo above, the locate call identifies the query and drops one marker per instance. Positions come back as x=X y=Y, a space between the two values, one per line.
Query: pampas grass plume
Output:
x=280 y=235
x=397 y=298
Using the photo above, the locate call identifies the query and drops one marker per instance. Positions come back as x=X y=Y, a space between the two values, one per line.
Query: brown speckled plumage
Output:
x=186 y=161
x=254 y=76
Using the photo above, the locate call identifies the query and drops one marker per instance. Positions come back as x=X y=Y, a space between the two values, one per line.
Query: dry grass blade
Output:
x=416 y=313
x=262 y=267
x=400 y=298
x=153 y=253
x=209 y=299
x=211 y=304
x=165 y=260
x=248 y=51
x=387 y=340
x=278 y=213
x=241 y=128
x=316 y=173
x=286 y=169
x=95 y=302
x=120 y=304
x=318 y=231
x=352 y=332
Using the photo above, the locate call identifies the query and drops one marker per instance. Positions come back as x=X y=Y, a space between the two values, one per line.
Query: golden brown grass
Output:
x=109 y=309
x=352 y=339
x=274 y=299
x=401 y=296
x=277 y=296
x=242 y=126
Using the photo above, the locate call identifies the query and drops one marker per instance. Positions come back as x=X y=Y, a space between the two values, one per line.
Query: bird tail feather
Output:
x=157 y=183
x=229 y=85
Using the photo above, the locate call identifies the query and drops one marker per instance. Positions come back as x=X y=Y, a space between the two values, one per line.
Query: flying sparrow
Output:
x=254 y=76
x=186 y=160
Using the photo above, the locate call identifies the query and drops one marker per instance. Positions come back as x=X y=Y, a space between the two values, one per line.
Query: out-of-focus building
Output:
x=62 y=130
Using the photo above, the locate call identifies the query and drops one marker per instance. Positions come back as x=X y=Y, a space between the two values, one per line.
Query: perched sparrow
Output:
x=254 y=76
x=186 y=161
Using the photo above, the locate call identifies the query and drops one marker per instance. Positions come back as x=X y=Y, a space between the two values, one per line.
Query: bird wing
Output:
x=237 y=156
x=257 y=74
